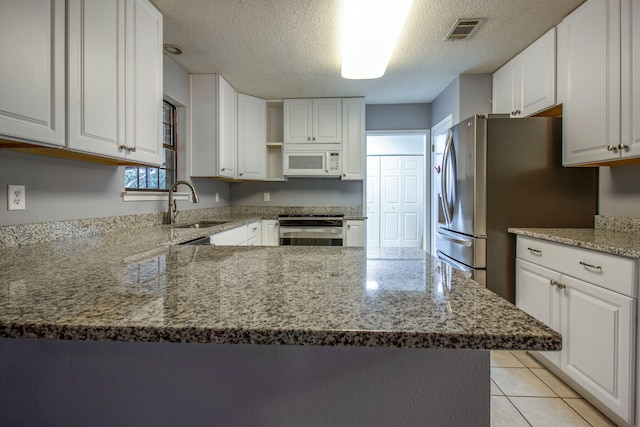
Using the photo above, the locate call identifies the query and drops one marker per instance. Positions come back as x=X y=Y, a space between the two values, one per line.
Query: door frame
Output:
x=426 y=133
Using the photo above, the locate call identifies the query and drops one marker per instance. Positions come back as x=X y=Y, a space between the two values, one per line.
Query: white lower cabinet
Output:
x=254 y=234
x=355 y=233
x=596 y=320
x=270 y=232
x=232 y=237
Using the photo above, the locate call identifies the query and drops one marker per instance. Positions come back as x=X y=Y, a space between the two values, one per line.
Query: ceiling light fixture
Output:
x=370 y=31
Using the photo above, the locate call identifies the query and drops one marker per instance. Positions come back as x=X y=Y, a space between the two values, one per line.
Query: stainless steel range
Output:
x=311 y=230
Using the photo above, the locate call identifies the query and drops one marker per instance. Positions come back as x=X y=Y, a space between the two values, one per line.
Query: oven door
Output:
x=310 y=236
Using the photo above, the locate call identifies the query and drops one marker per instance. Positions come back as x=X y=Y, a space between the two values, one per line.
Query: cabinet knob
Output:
x=308 y=138
x=623 y=146
x=222 y=170
x=314 y=138
x=611 y=147
x=132 y=149
x=553 y=282
x=241 y=173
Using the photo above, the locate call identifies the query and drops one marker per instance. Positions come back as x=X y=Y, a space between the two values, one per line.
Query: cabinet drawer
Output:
x=611 y=272
x=254 y=230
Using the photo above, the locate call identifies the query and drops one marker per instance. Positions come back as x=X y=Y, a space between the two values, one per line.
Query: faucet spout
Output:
x=173 y=206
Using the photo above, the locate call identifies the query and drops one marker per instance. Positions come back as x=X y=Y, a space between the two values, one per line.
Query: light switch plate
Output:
x=16 y=198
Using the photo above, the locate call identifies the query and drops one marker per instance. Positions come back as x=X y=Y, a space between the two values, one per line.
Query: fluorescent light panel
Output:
x=370 y=31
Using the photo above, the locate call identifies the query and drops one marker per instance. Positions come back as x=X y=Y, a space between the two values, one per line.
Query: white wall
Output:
x=61 y=189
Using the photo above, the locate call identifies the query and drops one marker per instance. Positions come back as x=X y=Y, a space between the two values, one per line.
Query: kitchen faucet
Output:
x=172 y=213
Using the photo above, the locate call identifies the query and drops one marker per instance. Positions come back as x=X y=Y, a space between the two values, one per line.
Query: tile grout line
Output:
x=554 y=392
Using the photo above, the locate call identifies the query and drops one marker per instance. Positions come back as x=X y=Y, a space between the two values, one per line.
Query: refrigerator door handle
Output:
x=444 y=182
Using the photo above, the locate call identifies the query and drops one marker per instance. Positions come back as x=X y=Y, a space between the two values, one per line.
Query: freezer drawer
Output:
x=470 y=251
x=477 y=274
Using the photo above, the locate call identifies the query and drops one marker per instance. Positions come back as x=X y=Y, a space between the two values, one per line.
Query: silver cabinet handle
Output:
x=595 y=267
x=535 y=251
x=623 y=146
x=553 y=282
x=611 y=147
x=126 y=147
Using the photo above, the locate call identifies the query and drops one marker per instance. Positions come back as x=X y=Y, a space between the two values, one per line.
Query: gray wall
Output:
x=398 y=116
x=620 y=191
x=61 y=189
x=468 y=94
x=299 y=192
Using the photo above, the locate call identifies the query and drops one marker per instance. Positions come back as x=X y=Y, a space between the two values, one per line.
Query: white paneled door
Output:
x=398 y=216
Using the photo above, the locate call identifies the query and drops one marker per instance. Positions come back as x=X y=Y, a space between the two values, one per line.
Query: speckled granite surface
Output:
x=621 y=243
x=134 y=286
x=24 y=234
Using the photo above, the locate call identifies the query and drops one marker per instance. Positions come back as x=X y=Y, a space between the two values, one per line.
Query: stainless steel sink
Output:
x=201 y=224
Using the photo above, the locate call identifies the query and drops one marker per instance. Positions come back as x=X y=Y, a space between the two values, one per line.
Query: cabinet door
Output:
x=227 y=121
x=504 y=96
x=32 y=88
x=537 y=297
x=355 y=232
x=298 y=118
x=96 y=79
x=353 y=139
x=270 y=232
x=538 y=75
x=252 y=137
x=630 y=61
x=589 y=82
x=599 y=332
x=327 y=120
x=144 y=82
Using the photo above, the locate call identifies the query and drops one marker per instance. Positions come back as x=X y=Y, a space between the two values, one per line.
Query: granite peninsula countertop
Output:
x=621 y=243
x=140 y=285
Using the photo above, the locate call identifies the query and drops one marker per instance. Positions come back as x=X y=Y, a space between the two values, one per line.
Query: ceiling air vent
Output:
x=463 y=29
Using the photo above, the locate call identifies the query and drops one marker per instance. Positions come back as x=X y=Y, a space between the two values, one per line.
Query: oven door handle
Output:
x=326 y=230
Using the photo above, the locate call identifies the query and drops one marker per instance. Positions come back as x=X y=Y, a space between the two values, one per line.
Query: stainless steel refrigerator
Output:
x=498 y=173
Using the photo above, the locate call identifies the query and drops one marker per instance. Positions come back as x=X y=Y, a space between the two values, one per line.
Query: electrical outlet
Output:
x=15 y=198
x=217 y=197
x=267 y=197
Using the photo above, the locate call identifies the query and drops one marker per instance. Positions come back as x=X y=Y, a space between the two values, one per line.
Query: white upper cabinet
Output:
x=213 y=127
x=597 y=82
x=527 y=84
x=96 y=83
x=316 y=120
x=252 y=137
x=630 y=74
x=144 y=66
x=353 y=139
x=32 y=87
x=113 y=77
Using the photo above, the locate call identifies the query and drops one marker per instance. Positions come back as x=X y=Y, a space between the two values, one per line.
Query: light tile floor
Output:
x=525 y=393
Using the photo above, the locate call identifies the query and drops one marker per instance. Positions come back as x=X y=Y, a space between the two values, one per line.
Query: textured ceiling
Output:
x=290 y=48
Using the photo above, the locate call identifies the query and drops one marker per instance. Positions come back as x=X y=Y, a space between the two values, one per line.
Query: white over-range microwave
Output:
x=318 y=163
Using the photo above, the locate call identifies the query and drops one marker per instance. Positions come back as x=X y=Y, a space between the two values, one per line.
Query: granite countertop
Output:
x=140 y=285
x=621 y=243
